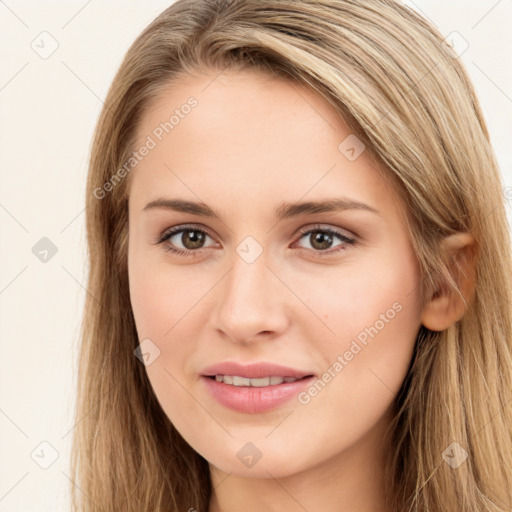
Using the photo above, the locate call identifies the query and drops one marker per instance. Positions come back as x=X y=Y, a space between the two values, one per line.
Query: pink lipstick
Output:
x=256 y=387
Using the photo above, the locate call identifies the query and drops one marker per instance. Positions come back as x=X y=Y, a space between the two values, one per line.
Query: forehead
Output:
x=250 y=99
x=248 y=130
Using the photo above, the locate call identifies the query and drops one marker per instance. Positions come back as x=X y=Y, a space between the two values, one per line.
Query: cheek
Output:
x=163 y=307
x=372 y=295
x=160 y=294
x=374 y=311
x=154 y=308
x=169 y=307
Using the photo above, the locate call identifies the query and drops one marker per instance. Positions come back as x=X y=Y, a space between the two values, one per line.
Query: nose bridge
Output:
x=251 y=301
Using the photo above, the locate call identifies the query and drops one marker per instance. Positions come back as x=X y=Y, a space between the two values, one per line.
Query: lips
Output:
x=254 y=370
x=256 y=387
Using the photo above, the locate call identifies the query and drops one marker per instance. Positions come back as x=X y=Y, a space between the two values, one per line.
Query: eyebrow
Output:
x=285 y=211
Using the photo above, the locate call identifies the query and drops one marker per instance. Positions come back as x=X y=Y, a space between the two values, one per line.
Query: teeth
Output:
x=259 y=383
x=236 y=380
x=241 y=381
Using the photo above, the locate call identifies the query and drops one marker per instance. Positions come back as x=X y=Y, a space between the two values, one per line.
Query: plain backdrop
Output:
x=49 y=105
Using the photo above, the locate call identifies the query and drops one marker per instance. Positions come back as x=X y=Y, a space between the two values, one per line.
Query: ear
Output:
x=447 y=305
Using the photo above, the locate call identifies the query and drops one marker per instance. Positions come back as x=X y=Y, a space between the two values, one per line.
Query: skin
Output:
x=252 y=143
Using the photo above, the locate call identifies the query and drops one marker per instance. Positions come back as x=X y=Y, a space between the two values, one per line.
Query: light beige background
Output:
x=48 y=110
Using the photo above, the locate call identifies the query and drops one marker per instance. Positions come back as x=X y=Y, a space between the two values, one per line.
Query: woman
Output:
x=299 y=270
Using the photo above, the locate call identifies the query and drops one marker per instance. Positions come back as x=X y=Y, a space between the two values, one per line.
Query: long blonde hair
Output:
x=407 y=96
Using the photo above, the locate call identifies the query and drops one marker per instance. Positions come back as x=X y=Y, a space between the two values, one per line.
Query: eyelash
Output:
x=307 y=231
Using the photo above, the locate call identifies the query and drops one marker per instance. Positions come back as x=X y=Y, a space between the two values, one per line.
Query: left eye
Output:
x=321 y=239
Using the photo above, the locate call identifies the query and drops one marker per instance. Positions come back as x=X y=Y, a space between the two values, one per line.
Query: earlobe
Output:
x=446 y=305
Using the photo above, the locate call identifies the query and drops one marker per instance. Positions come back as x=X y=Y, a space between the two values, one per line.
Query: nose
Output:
x=251 y=303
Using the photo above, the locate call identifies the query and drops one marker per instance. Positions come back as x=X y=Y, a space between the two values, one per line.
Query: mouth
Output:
x=254 y=372
x=254 y=388
x=237 y=380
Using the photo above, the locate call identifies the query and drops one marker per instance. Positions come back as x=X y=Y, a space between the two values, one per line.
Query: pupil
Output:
x=192 y=239
x=321 y=240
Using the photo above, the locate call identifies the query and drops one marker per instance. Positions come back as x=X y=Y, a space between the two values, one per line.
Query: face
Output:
x=310 y=312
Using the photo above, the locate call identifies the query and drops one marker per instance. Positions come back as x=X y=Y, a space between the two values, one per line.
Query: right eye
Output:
x=191 y=238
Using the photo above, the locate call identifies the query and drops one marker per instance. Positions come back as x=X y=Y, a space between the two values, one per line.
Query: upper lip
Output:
x=254 y=370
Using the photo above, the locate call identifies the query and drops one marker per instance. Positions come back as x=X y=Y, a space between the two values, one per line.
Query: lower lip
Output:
x=250 y=399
